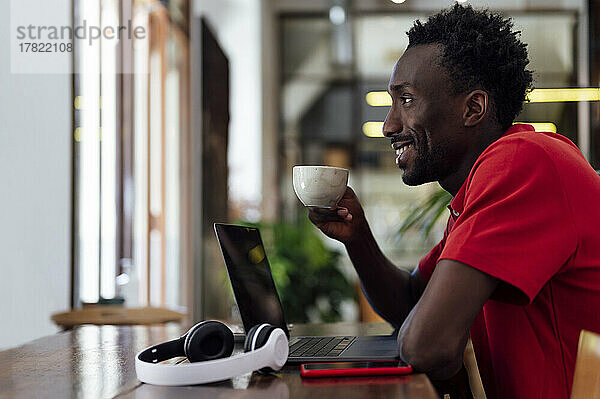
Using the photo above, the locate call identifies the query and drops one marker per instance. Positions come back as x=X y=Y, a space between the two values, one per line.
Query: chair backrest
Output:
x=586 y=380
x=116 y=314
x=470 y=363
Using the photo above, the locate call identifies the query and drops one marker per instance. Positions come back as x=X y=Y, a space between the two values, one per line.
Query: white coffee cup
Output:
x=320 y=186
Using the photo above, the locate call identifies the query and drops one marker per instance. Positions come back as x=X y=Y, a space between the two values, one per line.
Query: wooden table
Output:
x=98 y=362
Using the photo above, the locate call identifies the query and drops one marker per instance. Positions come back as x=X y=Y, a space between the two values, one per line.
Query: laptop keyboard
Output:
x=318 y=346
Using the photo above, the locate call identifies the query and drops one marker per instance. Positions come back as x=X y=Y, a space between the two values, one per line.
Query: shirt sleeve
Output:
x=516 y=223
x=427 y=264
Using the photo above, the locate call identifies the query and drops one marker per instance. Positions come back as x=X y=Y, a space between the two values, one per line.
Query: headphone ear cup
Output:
x=251 y=343
x=262 y=332
x=208 y=340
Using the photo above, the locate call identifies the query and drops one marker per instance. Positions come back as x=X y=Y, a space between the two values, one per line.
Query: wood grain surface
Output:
x=98 y=362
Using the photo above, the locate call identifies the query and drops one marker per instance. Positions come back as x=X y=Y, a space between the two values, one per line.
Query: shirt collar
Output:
x=519 y=127
x=457 y=205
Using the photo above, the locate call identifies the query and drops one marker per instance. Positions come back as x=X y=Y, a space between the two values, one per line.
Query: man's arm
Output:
x=433 y=336
x=435 y=315
x=393 y=292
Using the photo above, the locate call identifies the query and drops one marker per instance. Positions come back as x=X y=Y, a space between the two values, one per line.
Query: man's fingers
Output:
x=316 y=218
x=320 y=215
x=323 y=219
x=344 y=214
x=322 y=211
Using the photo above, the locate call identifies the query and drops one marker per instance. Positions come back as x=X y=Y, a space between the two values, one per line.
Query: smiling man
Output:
x=518 y=268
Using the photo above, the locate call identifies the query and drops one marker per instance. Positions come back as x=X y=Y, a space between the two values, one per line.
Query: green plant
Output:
x=425 y=214
x=305 y=271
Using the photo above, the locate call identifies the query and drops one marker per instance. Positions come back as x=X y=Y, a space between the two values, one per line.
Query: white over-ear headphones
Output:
x=208 y=345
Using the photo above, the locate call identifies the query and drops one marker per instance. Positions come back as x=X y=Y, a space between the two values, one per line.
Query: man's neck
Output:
x=484 y=137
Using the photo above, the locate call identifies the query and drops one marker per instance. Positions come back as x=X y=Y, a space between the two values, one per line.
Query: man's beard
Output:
x=428 y=167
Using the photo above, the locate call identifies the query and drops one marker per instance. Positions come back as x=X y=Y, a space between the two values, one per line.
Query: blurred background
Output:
x=113 y=175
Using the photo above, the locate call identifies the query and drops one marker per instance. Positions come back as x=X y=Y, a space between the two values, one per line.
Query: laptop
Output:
x=258 y=302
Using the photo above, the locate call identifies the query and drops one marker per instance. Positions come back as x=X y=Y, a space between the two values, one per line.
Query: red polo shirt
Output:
x=529 y=215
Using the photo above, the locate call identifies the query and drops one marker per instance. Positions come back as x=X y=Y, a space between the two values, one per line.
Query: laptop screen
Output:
x=250 y=276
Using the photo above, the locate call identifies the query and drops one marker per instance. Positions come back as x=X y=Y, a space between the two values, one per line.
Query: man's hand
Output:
x=345 y=223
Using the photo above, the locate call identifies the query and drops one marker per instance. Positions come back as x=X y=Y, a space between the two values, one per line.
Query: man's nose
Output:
x=392 y=124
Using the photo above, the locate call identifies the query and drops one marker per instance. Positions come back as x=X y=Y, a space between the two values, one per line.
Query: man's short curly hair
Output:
x=480 y=51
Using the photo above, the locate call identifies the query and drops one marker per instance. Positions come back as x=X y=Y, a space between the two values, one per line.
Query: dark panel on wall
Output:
x=215 y=128
x=330 y=118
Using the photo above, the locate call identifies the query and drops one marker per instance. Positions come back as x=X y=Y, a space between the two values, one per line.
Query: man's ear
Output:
x=475 y=107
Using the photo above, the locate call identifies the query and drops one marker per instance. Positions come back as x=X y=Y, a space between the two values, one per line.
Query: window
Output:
x=131 y=126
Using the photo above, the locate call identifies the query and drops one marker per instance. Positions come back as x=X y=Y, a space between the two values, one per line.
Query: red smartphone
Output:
x=344 y=369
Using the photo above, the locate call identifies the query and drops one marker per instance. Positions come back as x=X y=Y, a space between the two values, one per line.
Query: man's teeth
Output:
x=401 y=150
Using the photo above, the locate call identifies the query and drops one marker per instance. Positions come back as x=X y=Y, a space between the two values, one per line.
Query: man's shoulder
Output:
x=533 y=161
x=548 y=142
x=529 y=149
x=525 y=157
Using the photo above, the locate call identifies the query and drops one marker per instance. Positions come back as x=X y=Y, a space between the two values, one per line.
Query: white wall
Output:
x=236 y=23
x=35 y=184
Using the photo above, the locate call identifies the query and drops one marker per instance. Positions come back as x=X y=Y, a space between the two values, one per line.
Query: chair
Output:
x=115 y=314
x=586 y=380
x=470 y=363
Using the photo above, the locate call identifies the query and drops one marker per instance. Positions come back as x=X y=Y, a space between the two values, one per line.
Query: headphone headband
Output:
x=273 y=354
x=162 y=352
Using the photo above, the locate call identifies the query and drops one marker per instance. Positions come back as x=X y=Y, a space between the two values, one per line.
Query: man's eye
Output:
x=405 y=100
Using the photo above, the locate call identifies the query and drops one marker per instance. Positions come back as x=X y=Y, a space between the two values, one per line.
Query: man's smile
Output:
x=402 y=146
